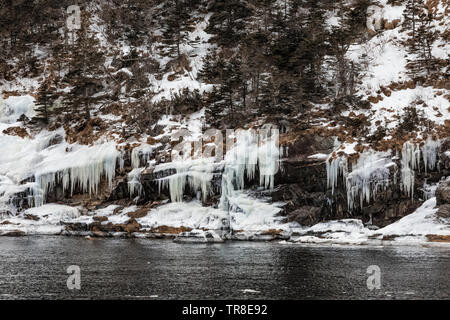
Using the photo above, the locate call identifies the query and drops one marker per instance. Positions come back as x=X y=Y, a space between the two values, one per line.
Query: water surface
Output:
x=36 y=268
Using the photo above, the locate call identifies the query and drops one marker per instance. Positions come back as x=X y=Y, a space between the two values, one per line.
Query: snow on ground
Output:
x=411 y=229
x=391 y=110
x=46 y=219
x=384 y=58
x=191 y=215
x=166 y=88
x=246 y=214
x=14 y=106
x=422 y=222
x=254 y=214
x=46 y=158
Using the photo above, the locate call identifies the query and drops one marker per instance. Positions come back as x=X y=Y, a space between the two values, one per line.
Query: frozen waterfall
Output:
x=371 y=172
x=247 y=153
x=82 y=167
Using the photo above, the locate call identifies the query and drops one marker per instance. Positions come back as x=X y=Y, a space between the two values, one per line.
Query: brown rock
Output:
x=306 y=215
x=375 y=99
x=17 y=131
x=100 y=219
x=170 y=230
x=142 y=212
x=78 y=226
x=272 y=232
x=389 y=25
x=14 y=233
x=132 y=226
x=387 y=92
x=438 y=238
x=172 y=76
x=31 y=217
x=99 y=234
x=443 y=192
x=444 y=211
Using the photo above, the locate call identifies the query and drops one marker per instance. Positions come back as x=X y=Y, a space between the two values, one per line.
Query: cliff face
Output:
x=303 y=185
x=354 y=103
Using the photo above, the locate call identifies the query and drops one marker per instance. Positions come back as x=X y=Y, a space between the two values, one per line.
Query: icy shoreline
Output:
x=194 y=223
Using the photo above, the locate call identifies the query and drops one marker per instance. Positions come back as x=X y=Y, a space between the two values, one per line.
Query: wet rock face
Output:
x=444 y=211
x=302 y=181
x=306 y=215
x=443 y=192
x=302 y=185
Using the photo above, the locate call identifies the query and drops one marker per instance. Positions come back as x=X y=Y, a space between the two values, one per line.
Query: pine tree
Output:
x=228 y=95
x=426 y=36
x=411 y=15
x=86 y=66
x=228 y=21
x=45 y=99
x=340 y=39
x=421 y=43
x=232 y=84
x=176 y=24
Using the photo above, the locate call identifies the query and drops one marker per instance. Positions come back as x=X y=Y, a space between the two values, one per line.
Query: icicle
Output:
x=134 y=183
x=87 y=177
x=135 y=160
x=122 y=160
x=429 y=190
x=197 y=173
x=247 y=154
x=268 y=155
x=145 y=151
x=334 y=166
x=410 y=161
x=369 y=175
x=250 y=151
x=429 y=153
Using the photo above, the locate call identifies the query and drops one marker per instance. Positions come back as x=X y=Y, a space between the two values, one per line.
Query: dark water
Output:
x=36 y=267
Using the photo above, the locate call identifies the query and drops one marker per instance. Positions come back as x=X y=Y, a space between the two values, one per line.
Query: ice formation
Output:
x=8 y=192
x=134 y=182
x=371 y=172
x=13 y=107
x=335 y=166
x=143 y=152
x=249 y=152
x=82 y=167
x=35 y=165
x=140 y=154
x=429 y=190
x=411 y=155
x=429 y=153
x=369 y=175
x=197 y=173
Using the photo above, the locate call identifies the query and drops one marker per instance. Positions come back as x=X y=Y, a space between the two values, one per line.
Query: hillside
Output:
x=307 y=121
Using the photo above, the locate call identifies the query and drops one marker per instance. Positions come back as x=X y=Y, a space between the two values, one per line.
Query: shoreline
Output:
x=401 y=241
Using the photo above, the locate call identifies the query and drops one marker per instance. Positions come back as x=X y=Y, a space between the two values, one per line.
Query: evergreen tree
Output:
x=411 y=15
x=228 y=21
x=425 y=37
x=340 y=39
x=228 y=95
x=232 y=83
x=176 y=24
x=45 y=98
x=86 y=66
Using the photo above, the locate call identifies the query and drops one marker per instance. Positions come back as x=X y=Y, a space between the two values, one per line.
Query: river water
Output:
x=36 y=268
